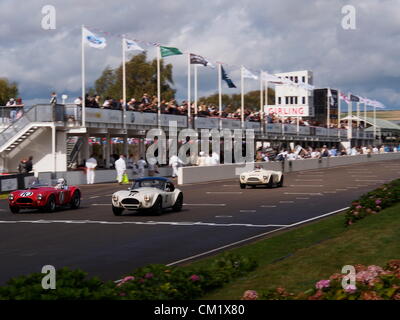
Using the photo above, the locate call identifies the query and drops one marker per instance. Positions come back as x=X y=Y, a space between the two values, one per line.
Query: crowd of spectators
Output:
x=299 y=152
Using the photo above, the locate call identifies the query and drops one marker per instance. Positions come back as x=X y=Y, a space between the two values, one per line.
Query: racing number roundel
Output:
x=26 y=194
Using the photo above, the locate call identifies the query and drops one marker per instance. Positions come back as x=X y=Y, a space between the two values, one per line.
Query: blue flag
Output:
x=227 y=79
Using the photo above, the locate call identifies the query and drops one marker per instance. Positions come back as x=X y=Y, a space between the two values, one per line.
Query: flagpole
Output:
x=328 y=111
x=261 y=104
x=374 y=123
x=195 y=89
x=242 y=97
x=83 y=82
x=358 y=119
x=123 y=82
x=349 y=121
x=365 y=115
x=338 y=124
x=220 y=95
x=158 y=86
x=189 y=98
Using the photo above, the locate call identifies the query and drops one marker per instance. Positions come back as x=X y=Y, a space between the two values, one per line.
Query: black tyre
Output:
x=270 y=183
x=280 y=183
x=242 y=186
x=117 y=211
x=75 y=200
x=178 y=203
x=14 y=209
x=157 y=207
x=51 y=204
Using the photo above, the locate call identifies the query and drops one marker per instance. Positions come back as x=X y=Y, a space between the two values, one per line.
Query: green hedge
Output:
x=373 y=202
x=153 y=282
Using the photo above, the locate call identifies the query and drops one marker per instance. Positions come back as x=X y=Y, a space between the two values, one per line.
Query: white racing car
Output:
x=259 y=176
x=152 y=194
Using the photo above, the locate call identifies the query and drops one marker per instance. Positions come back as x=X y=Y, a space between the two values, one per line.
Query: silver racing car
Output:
x=152 y=194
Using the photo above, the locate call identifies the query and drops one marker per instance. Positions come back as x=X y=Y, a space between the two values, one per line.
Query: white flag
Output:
x=248 y=74
x=131 y=45
x=92 y=40
x=270 y=78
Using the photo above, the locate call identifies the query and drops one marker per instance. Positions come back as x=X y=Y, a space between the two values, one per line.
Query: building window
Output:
x=296 y=79
x=279 y=100
x=295 y=100
x=303 y=100
x=304 y=79
x=291 y=100
x=286 y=100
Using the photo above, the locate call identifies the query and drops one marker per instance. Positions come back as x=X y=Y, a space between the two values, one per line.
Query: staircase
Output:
x=74 y=145
x=34 y=119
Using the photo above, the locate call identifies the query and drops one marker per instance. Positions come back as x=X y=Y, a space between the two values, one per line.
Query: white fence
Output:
x=230 y=171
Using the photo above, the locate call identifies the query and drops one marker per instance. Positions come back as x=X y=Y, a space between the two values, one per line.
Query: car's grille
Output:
x=253 y=180
x=24 y=200
x=130 y=201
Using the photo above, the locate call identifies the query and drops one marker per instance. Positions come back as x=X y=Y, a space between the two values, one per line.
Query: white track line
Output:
x=268 y=206
x=302 y=198
x=244 y=211
x=305 y=193
x=223 y=216
x=101 y=204
x=310 y=180
x=286 y=201
x=171 y=223
x=253 y=237
x=205 y=204
x=224 y=192
x=307 y=185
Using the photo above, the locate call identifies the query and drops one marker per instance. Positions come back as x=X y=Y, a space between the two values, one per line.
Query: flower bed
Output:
x=373 y=202
x=372 y=283
x=153 y=282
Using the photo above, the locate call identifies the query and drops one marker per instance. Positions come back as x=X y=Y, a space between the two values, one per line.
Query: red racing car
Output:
x=45 y=196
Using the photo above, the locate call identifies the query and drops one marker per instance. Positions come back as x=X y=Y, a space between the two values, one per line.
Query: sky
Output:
x=272 y=35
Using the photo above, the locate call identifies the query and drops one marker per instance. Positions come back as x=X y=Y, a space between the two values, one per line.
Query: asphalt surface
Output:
x=215 y=214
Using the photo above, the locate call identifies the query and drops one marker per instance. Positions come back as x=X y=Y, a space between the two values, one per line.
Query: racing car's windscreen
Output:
x=150 y=183
x=37 y=183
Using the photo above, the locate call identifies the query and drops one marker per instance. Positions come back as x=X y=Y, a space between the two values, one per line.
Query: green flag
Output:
x=169 y=51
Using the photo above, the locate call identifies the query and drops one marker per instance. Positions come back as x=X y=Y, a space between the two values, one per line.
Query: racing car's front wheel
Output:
x=178 y=203
x=280 y=183
x=117 y=211
x=242 y=186
x=51 y=204
x=270 y=183
x=14 y=209
x=76 y=200
x=157 y=207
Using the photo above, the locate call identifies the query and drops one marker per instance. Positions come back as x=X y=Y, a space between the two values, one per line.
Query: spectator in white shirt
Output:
x=141 y=164
x=90 y=164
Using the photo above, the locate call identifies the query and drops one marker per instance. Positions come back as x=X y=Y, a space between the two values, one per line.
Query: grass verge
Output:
x=298 y=258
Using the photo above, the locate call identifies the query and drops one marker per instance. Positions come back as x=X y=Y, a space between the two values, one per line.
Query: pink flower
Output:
x=124 y=280
x=194 y=277
x=322 y=284
x=350 y=288
x=378 y=201
x=149 y=275
x=250 y=295
x=358 y=207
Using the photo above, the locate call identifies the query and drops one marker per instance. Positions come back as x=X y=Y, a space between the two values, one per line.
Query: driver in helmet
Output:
x=61 y=183
x=257 y=167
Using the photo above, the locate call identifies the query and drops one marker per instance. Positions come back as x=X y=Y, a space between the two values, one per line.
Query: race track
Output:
x=215 y=215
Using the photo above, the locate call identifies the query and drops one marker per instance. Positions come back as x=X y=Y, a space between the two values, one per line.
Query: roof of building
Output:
x=380 y=123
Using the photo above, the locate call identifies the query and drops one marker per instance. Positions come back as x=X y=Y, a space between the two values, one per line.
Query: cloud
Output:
x=272 y=35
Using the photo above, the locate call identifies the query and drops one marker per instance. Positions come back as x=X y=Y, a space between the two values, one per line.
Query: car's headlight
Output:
x=10 y=197
x=265 y=177
x=243 y=177
x=115 y=197
x=146 y=198
x=39 y=196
